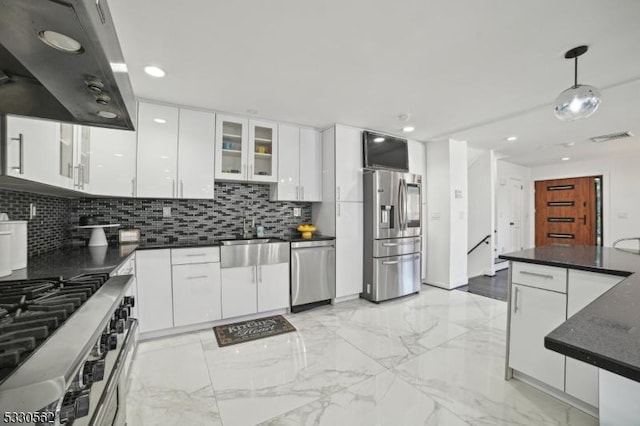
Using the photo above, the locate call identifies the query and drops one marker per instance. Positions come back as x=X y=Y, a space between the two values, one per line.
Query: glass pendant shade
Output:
x=578 y=101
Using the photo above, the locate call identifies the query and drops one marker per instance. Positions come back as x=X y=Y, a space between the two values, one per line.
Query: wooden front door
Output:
x=566 y=211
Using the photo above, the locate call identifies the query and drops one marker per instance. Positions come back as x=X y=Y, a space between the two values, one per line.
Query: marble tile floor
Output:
x=436 y=358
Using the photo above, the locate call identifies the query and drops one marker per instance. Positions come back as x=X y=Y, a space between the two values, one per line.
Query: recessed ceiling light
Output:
x=569 y=144
x=160 y=120
x=60 y=42
x=379 y=139
x=154 y=71
x=565 y=158
x=119 y=155
x=512 y=138
x=107 y=114
x=408 y=129
x=164 y=157
x=252 y=111
x=118 y=67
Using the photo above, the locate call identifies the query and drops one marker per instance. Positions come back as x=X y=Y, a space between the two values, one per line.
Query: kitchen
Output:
x=238 y=140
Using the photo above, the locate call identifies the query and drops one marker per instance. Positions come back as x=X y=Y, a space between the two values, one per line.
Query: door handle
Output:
x=181 y=188
x=173 y=188
x=337 y=193
x=399 y=244
x=196 y=254
x=395 y=262
x=197 y=277
x=338 y=209
x=133 y=187
x=297 y=192
x=20 y=166
x=259 y=274
x=515 y=301
x=584 y=219
x=76 y=175
x=302 y=193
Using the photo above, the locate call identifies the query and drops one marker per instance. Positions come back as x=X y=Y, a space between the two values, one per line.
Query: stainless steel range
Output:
x=65 y=350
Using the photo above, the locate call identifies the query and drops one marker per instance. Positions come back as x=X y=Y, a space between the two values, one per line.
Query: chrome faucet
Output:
x=247 y=225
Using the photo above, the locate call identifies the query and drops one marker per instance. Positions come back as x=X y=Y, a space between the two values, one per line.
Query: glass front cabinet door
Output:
x=231 y=147
x=263 y=151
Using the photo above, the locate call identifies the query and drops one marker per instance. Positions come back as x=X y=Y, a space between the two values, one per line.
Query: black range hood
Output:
x=77 y=85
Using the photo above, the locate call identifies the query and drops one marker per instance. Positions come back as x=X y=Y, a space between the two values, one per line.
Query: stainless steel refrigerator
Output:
x=392 y=234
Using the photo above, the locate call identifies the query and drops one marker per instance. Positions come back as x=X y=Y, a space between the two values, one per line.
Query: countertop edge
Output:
x=558 y=264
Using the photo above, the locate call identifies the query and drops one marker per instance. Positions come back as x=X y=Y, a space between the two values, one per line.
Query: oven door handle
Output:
x=116 y=374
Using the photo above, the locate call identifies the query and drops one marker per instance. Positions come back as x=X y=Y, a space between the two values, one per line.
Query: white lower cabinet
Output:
x=273 y=287
x=155 y=302
x=534 y=314
x=239 y=291
x=196 y=293
x=584 y=288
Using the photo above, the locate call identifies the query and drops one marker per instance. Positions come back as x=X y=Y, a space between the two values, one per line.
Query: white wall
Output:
x=482 y=177
x=446 y=227
x=505 y=172
x=621 y=190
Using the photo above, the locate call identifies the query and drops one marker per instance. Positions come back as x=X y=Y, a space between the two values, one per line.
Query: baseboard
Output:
x=345 y=298
x=444 y=286
x=502 y=265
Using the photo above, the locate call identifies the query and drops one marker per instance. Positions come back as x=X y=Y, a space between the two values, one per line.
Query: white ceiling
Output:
x=467 y=69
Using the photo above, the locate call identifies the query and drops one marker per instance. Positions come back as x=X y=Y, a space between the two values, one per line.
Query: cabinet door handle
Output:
x=196 y=254
x=338 y=193
x=297 y=192
x=338 y=209
x=82 y=176
x=260 y=274
x=20 y=166
x=133 y=187
x=534 y=274
x=76 y=175
x=181 y=189
x=515 y=301
x=302 y=193
x=197 y=277
x=173 y=188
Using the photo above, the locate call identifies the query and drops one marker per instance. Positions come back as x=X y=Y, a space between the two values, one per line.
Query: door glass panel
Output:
x=263 y=159
x=85 y=152
x=66 y=150
x=231 y=148
x=413 y=205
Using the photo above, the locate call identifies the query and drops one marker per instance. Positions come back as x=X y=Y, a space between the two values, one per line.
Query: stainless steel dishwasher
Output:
x=313 y=273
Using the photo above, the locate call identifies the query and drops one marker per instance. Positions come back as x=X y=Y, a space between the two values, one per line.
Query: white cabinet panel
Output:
x=239 y=291
x=196 y=142
x=273 y=286
x=33 y=150
x=349 y=246
x=534 y=314
x=262 y=152
x=348 y=145
x=584 y=288
x=417 y=159
x=288 y=188
x=113 y=162
x=540 y=276
x=157 y=151
x=231 y=147
x=196 y=293
x=155 y=305
x=310 y=162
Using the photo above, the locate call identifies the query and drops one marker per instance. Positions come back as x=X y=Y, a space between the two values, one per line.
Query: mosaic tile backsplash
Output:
x=49 y=229
x=193 y=220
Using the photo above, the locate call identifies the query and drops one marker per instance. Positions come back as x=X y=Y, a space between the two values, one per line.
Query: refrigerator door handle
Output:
x=400 y=209
x=405 y=201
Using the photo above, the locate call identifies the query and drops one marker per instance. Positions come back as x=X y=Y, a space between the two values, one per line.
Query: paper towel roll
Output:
x=5 y=253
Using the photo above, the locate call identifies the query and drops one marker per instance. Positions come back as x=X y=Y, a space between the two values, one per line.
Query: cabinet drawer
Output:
x=540 y=276
x=195 y=255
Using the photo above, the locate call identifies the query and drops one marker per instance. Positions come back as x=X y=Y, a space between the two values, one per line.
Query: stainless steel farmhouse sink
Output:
x=252 y=252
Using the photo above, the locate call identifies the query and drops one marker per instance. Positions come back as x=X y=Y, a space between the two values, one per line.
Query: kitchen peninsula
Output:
x=580 y=302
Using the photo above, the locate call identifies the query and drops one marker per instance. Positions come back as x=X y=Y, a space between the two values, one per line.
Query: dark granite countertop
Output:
x=69 y=262
x=606 y=333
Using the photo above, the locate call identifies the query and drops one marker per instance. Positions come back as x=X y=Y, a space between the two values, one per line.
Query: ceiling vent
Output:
x=611 y=137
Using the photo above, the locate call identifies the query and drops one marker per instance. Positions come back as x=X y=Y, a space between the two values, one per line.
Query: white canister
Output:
x=5 y=253
x=18 y=241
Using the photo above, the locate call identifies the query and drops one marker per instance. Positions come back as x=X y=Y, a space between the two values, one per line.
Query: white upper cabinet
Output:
x=417 y=158
x=310 y=163
x=288 y=187
x=348 y=146
x=246 y=150
x=262 y=152
x=113 y=162
x=196 y=142
x=33 y=150
x=157 y=151
x=299 y=165
x=231 y=147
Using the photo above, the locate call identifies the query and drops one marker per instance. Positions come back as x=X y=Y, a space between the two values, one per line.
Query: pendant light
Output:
x=579 y=100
